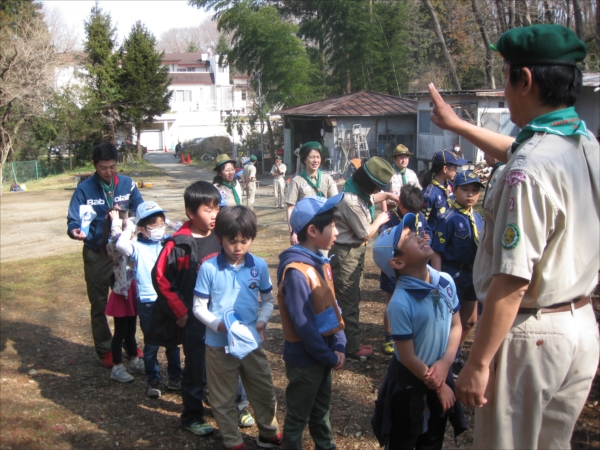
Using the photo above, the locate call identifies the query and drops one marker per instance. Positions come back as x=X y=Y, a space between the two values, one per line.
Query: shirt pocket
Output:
x=462 y=233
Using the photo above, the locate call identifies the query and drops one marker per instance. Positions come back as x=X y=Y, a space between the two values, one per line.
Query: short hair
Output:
x=143 y=223
x=559 y=85
x=363 y=181
x=235 y=220
x=411 y=197
x=105 y=152
x=201 y=193
x=320 y=221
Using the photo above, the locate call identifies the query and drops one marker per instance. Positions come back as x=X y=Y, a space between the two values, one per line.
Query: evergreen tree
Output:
x=192 y=48
x=143 y=80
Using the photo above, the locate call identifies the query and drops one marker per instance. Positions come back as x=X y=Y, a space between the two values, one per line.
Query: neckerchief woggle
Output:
x=310 y=182
x=420 y=289
x=401 y=172
x=471 y=216
x=232 y=187
x=564 y=122
x=353 y=188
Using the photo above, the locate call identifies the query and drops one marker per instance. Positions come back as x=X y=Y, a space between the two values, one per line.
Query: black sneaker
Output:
x=174 y=385
x=153 y=390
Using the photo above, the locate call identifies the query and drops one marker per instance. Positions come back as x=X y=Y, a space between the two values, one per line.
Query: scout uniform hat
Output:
x=386 y=244
x=221 y=160
x=306 y=148
x=279 y=157
x=147 y=209
x=309 y=207
x=253 y=158
x=239 y=337
x=467 y=177
x=379 y=171
x=401 y=150
x=447 y=157
x=548 y=45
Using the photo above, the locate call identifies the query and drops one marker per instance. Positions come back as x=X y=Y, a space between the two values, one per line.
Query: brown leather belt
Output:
x=559 y=307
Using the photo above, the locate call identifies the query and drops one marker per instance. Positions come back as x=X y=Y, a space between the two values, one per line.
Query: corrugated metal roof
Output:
x=191 y=78
x=363 y=103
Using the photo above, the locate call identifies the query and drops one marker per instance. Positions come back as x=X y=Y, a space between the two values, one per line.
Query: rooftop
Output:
x=191 y=78
x=193 y=59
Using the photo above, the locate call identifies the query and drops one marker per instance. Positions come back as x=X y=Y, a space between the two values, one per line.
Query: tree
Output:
x=103 y=68
x=143 y=81
x=26 y=70
x=176 y=40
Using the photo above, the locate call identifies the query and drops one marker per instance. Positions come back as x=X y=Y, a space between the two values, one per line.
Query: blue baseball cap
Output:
x=240 y=339
x=146 y=209
x=309 y=207
x=386 y=244
x=467 y=177
x=447 y=157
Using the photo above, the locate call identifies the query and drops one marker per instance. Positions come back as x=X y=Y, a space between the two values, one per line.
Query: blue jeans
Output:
x=151 y=351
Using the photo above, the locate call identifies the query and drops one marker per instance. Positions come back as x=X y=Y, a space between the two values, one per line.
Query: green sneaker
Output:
x=200 y=429
x=388 y=347
x=245 y=419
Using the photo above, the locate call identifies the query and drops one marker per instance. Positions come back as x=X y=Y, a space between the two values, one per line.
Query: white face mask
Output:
x=456 y=149
x=157 y=234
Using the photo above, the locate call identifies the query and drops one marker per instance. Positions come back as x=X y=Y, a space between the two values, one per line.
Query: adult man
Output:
x=278 y=173
x=249 y=178
x=102 y=191
x=536 y=350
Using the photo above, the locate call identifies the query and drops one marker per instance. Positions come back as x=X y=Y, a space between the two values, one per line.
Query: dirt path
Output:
x=33 y=224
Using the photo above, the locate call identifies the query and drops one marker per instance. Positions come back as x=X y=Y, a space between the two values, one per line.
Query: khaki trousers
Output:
x=223 y=372
x=278 y=189
x=348 y=266
x=539 y=381
x=250 y=193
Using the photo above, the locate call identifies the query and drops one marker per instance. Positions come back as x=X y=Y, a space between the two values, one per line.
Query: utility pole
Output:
x=257 y=76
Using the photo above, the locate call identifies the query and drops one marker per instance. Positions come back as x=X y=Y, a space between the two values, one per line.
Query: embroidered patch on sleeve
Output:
x=515 y=177
x=511 y=236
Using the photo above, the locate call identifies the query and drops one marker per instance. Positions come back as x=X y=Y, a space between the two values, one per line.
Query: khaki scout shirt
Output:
x=395 y=183
x=542 y=221
x=227 y=194
x=355 y=221
x=278 y=171
x=249 y=173
x=299 y=188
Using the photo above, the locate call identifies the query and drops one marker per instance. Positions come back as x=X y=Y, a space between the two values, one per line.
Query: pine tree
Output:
x=143 y=80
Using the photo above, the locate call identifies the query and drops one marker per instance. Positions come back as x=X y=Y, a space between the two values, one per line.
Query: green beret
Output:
x=253 y=158
x=222 y=160
x=549 y=45
x=306 y=148
x=379 y=171
x=401 y=150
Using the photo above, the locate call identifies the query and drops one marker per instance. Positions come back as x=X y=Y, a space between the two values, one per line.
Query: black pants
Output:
x=400 y=436
x=124 y=332
x=193 y=381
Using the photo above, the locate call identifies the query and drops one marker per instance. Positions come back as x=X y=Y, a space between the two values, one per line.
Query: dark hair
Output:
x=364 y=182
x=105 y=152
x=150 y=219
x=235 y=220
x=306 y=153
x=201 y=193
x=425 y=179
x=218 y=179
x=559 y=85
x=411 y=197
x=320 y=221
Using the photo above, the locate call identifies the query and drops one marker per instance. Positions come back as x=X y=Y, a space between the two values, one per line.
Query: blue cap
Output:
x=447 y=157
x=147 y=209
x=467 y=177
x=240 y=339
x=386 y=244
x=309 y=207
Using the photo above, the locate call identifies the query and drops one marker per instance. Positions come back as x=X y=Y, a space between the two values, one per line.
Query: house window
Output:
x=180 y=69
x=500 y=104
x=191 y=69
x=183 y=96
x=243 y=95
x=426 y=126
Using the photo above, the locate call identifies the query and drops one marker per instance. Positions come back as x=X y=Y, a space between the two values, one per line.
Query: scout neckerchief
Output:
x=109 y=191
x=353 y=188
x=439 y=288
x=310 y=182
x=232 y=187
x=401 y=172
x=399 y=215
x=498 y=164
x=471 y=216
x=564 y=122
x=446 y=190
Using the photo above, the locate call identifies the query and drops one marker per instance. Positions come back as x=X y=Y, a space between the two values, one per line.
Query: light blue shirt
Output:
x=227 y=287
x=423 y=312
x=145 y=253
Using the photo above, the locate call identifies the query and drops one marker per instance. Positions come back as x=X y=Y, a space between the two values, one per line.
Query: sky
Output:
x=157 y=16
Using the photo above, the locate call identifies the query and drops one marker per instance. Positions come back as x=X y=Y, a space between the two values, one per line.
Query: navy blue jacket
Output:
x=313 y=349
x=454 y=239
x=90 y=192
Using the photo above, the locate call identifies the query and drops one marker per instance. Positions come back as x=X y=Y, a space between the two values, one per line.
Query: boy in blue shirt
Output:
x=455 y=243
x=312 y=322
x=233 y=279
x=417 y=395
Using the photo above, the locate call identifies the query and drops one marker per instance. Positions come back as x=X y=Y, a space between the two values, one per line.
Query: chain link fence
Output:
x=23 y=171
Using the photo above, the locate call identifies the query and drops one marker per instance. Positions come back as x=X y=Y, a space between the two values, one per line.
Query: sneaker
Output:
x=174 y=385
x=140 y=354
x=237 y=447
x=388 y=347
x=245 y=419
x=106 y=360
x=153 y=390
x=119 y=373
x=137 y=366
x=274 y=442
x=366 y=351
x=200 y=429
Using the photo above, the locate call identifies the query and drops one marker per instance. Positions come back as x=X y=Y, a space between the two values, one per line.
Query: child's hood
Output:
x=295 y=255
